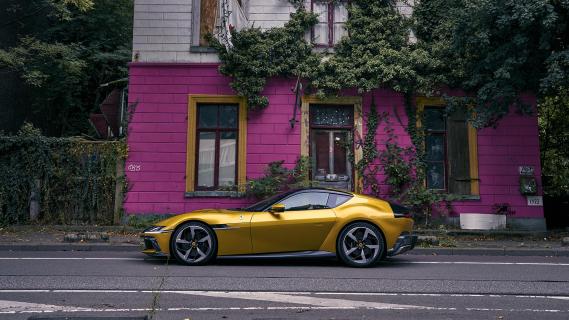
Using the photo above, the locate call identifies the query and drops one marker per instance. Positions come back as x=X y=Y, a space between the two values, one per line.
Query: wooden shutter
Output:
x=208 y=13
x=458 y=157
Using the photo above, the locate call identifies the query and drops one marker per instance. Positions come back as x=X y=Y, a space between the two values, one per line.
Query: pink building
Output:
x=191 y=138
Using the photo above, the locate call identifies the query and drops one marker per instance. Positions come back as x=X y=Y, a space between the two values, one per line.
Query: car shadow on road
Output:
x=283 y=262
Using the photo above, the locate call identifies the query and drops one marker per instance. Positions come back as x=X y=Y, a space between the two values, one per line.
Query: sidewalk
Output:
x=431 y=242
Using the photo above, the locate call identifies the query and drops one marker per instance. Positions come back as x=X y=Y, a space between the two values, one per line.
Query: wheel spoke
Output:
x=351 y=235
x=187 y=254
x=363 y=255
x=365 y=234
x=182 y=241
x=200 y=252
x=192 y=232
x=373 y=246
x=206 y=238
x=348 y=252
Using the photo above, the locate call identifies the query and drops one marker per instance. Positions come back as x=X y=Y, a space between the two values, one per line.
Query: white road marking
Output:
x=308 y=299
x=296 y=299
x=288 y=293
x=19 y=307
x=484 y=263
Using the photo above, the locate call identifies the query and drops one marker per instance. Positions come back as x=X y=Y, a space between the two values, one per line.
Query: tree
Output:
x=64 y=51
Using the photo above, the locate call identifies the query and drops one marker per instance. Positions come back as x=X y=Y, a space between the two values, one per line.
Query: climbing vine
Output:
x=278 y=178
x=72 y=180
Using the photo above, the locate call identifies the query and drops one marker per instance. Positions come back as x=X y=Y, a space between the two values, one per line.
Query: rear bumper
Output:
x=404 y=243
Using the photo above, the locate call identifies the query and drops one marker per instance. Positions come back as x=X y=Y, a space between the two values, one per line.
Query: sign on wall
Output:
x=535 y=201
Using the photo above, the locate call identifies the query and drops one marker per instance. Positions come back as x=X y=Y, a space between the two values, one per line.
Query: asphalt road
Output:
x=48 y=285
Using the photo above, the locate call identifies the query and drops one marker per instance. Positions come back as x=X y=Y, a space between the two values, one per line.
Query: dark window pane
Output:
x=306 y=201
x=206 y=159
x=207 y=116
x=227 y=157
x=435 y=175
x=335 y=199
x=228 y=116
x=340 y=142
x=322 y=141
x=435 y=119
x=332 y=115
x=435 y=147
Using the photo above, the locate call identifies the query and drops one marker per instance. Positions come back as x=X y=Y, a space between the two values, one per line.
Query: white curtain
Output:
x=230 y=16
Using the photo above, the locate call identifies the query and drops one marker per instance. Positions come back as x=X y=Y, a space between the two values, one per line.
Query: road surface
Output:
x=39 y=285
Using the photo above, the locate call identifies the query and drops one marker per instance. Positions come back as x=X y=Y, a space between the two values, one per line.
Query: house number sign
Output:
x=535 y=201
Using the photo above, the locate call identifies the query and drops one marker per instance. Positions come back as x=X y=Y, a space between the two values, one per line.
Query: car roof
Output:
x=321 y=189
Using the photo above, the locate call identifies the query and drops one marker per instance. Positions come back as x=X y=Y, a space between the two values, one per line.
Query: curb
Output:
x=490 y=252
x=71 y=247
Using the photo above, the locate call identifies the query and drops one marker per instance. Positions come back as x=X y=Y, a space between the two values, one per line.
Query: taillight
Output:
x=400 y=211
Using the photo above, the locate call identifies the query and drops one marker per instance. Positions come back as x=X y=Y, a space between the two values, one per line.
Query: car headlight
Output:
x=152 y=229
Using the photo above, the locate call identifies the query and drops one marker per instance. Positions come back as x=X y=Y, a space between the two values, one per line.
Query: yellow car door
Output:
x=303 y=225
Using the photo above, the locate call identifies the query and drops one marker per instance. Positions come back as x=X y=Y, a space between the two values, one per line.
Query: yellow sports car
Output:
x=359 y=229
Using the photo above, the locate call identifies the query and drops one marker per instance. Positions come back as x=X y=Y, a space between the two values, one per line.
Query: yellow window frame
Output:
x=193 y=101
x=358 y=127
x=421 y=102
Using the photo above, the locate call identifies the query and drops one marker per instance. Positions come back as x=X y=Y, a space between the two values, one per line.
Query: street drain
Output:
x=86 y=318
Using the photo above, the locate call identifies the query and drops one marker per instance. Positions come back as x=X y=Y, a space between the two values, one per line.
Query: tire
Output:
x=360 y=244
x=193 y=243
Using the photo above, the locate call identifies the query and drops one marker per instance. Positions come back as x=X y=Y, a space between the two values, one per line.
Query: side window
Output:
x=335 y=199
x=306 y=201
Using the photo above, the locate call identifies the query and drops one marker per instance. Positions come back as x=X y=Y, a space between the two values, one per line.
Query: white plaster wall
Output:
x=162 y=28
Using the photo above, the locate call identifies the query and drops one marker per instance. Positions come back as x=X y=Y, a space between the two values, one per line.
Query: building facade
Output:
x=191 y=138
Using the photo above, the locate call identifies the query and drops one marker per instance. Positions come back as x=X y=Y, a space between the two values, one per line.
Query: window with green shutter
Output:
x=450 y=149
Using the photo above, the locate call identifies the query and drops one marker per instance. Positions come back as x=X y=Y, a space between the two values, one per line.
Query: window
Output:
x=332 y=17
x=306 y=201
x=208 y=18
x=336 y=199
x=435 y=148
x=451 y=155
x=216 y=144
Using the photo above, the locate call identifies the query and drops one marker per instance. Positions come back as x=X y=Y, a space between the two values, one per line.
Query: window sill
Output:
x=200 y=49
x=458 y=197
x=214 y=194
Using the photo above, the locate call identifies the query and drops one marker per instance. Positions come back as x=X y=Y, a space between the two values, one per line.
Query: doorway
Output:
x=331 y=128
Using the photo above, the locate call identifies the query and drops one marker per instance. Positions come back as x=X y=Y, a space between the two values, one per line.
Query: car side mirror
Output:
x=277 y=208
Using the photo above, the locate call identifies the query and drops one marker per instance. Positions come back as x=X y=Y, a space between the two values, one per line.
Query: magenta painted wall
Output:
x=157 y=141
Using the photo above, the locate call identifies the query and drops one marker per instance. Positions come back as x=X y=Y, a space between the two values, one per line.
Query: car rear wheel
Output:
x=193 y=243
x=361 y=244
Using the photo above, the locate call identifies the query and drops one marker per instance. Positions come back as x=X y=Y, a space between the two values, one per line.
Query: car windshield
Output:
x=264 y=204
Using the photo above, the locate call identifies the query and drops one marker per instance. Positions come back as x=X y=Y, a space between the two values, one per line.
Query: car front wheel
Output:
x=360 y=244
x=193 y=243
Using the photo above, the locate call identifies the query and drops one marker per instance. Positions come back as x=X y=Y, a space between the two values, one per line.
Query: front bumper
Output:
x=404 y=243
x=156 y=244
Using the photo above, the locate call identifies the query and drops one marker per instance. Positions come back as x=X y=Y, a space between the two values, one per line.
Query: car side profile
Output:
x=358 y=229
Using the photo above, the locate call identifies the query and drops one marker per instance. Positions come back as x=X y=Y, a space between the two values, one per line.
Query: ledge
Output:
x=214 y=194
x=199 y=49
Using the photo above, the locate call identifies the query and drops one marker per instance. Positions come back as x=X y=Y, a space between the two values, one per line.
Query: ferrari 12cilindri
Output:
x=359 y=230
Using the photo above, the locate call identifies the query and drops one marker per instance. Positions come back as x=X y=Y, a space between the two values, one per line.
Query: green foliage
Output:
x=554 y=138
x=377 y=53
x=494 y=49
x=279 y=178
x=258 y=55
x=67 y=48
x=77 y=178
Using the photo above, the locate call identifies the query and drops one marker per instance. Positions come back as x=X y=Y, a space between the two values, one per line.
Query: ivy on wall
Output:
x=71 y=179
